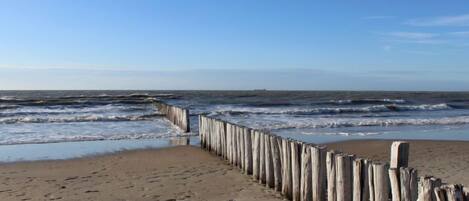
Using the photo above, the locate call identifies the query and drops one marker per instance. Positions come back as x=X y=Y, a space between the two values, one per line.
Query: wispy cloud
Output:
x=419 y=52
x=456 y=20
x=378 y=17
x=415 y=37
x=460 y=33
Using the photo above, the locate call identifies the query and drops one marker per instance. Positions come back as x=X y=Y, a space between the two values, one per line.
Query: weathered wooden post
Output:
x=241 y=140
x=381 y=182
x=395 y=184
x=262 y=175
x=454 y=192
x=357 y=179
x=276 y=161
x=247 y=151
x=269 y=166
x=318 y=171
x=296 y=169
x=399 y=158
x=426 y=188
x=408 y=184
x=306 y=174
x=440 y=193
x=331 y=177
x=287 y=171
x=365 y=180
x=343 y=177
x=371 y=181
x=255 y=155
x=235 y=145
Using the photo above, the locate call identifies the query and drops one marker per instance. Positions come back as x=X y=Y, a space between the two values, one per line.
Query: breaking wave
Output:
x=330 y=110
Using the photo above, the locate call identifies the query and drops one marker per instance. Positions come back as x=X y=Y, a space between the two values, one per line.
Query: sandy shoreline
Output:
x=189 y=173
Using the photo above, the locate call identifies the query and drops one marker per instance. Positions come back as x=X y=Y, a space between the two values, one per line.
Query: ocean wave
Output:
x=368 y=101
x=5 y=107
x=84 y=118
x=56 y=138
x=329 y=110
x=84 y=100
x=368 y=122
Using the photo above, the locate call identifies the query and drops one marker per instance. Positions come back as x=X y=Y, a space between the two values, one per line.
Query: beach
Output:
x=448 y=160
x=189 y=173
x=176 y=173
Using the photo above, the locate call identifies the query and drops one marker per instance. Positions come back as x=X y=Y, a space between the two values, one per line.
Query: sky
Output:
x=231 y=45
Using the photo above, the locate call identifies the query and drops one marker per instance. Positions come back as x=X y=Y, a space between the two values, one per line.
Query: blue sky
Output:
x=184 y=44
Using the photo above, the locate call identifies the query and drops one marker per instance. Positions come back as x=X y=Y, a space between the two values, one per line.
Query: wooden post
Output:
x=405 y=184
x=276 y=161
x=269 y=166
x=262 y=158
x=229 y=142
x=440 y=194
x=287 y=172
x=365 y=180
x=247 y=151
x=466 y=194
x=306 y=174
x=426 y=188
x=381 y=182
x=255 y=155
x=357 y=179
x=371 y=181
x=413 y=185
x=318 y=171
x=454 y=192
x=330 y=166
x=395 y=184
x=295 y=166
x=399 y=154
x=241 y=147
x=235 y=146
x=343 y=177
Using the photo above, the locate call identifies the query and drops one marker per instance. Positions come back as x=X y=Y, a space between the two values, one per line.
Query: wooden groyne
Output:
x=177 y=115
x=307 y=172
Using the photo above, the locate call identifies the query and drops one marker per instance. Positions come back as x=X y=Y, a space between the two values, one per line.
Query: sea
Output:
x=50 y=125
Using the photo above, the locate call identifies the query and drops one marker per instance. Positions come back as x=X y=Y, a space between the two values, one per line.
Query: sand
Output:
x=177 y=173
x=448 y=160
x=188 y=173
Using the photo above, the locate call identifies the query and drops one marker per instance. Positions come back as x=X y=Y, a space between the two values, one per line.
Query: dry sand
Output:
x=448 y=160
x=177 y=173
x=188 y=173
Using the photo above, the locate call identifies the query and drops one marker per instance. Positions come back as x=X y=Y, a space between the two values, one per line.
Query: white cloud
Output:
x=456 y=20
